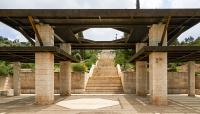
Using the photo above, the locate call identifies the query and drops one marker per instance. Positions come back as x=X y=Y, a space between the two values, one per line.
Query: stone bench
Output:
x=3 y=92
x=9 y=92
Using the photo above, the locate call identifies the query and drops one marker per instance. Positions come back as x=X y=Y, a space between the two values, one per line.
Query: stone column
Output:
x=157 y=67
x=44 y=67
x=16 y=78
x=141 y=74
x=65 y=72
x=191 y=78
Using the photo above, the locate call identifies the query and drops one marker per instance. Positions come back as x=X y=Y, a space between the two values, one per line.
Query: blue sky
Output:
x=95 y=34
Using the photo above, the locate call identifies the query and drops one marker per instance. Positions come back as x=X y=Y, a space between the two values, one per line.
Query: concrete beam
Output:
x=65 y=72
x=44 y=67
x=16 y=78
x=191 y=78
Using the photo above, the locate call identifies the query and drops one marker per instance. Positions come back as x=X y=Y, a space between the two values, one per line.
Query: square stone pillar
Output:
x=141 y=74
x=157 y=67
x=65 y=72
x=16 y=78
x=191 y=78
x=44 y=67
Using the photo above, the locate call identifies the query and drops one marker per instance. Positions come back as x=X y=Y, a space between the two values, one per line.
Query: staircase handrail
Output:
x=119 y=71
x=90 y=73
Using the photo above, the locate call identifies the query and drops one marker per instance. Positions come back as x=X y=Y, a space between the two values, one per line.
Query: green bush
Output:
x=122 y=58
x=28 y=65
x=88 y=63
x=80 y=67
x=78 y=56
x=5 y=68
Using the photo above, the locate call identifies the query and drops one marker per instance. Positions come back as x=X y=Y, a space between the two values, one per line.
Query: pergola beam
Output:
x=175 y=53
x=69 y=31
x=123 y=30
x=59 y=38
x=30 y=18
x=27 y=54
x=99 y=12
x=102 y=46
x=165 y=31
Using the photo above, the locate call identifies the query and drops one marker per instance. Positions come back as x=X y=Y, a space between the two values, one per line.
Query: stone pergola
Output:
x=151 y=32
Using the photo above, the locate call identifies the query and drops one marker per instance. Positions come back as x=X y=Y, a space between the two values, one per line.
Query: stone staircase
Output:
x=105 y=79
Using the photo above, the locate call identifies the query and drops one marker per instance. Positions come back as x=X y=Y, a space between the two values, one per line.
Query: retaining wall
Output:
x=177 y=82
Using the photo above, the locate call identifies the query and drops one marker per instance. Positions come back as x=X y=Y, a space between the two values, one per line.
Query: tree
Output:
x=122 y=58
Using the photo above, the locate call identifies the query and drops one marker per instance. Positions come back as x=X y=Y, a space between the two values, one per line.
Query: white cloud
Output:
x=194 y=32
x=102 y=34
x=185 y=4
x=151 y=3
x=10 y=33
x=67 y=4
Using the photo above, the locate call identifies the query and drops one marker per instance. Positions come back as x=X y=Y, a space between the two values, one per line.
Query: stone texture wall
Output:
x=5 y=82
x=177 y=82
x=28 y=82
x=129 y=82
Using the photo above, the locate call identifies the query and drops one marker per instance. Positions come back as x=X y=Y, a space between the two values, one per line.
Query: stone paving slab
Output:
x=126 y=104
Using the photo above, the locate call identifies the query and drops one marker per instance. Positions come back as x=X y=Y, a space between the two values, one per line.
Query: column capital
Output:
x=155 y=35
x=46 y=33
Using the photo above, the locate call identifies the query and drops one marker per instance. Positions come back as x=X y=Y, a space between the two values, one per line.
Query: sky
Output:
x=97 y=34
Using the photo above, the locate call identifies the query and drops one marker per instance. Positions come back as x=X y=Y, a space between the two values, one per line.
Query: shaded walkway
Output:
x=128 y=104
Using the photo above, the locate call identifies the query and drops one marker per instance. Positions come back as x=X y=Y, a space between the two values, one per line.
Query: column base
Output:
x=141 y=94
x=159 y=100
x=191 y=95
x=43 y=100
x=65 y=94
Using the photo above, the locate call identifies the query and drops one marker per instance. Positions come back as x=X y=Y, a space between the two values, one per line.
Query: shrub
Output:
x=80 y=67
x=5 y=68
x=88 y=63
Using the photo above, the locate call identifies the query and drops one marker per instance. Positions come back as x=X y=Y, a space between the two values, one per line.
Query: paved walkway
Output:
x=99 y=104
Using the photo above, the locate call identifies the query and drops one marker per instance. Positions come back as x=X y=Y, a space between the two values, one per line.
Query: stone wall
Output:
x=5 y=82
x=129 y=82
x=78 y=82
x=177 y=82
x=28 y=82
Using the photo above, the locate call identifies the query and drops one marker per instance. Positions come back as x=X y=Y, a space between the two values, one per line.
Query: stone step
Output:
x=106 y=90
x=104 y=82
x=114 y=74
x=100 y=90
x=103 y=85
x=105 y=71
x=103 y=88
x=106 y=68
x=110 y=92
x=105 y=78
